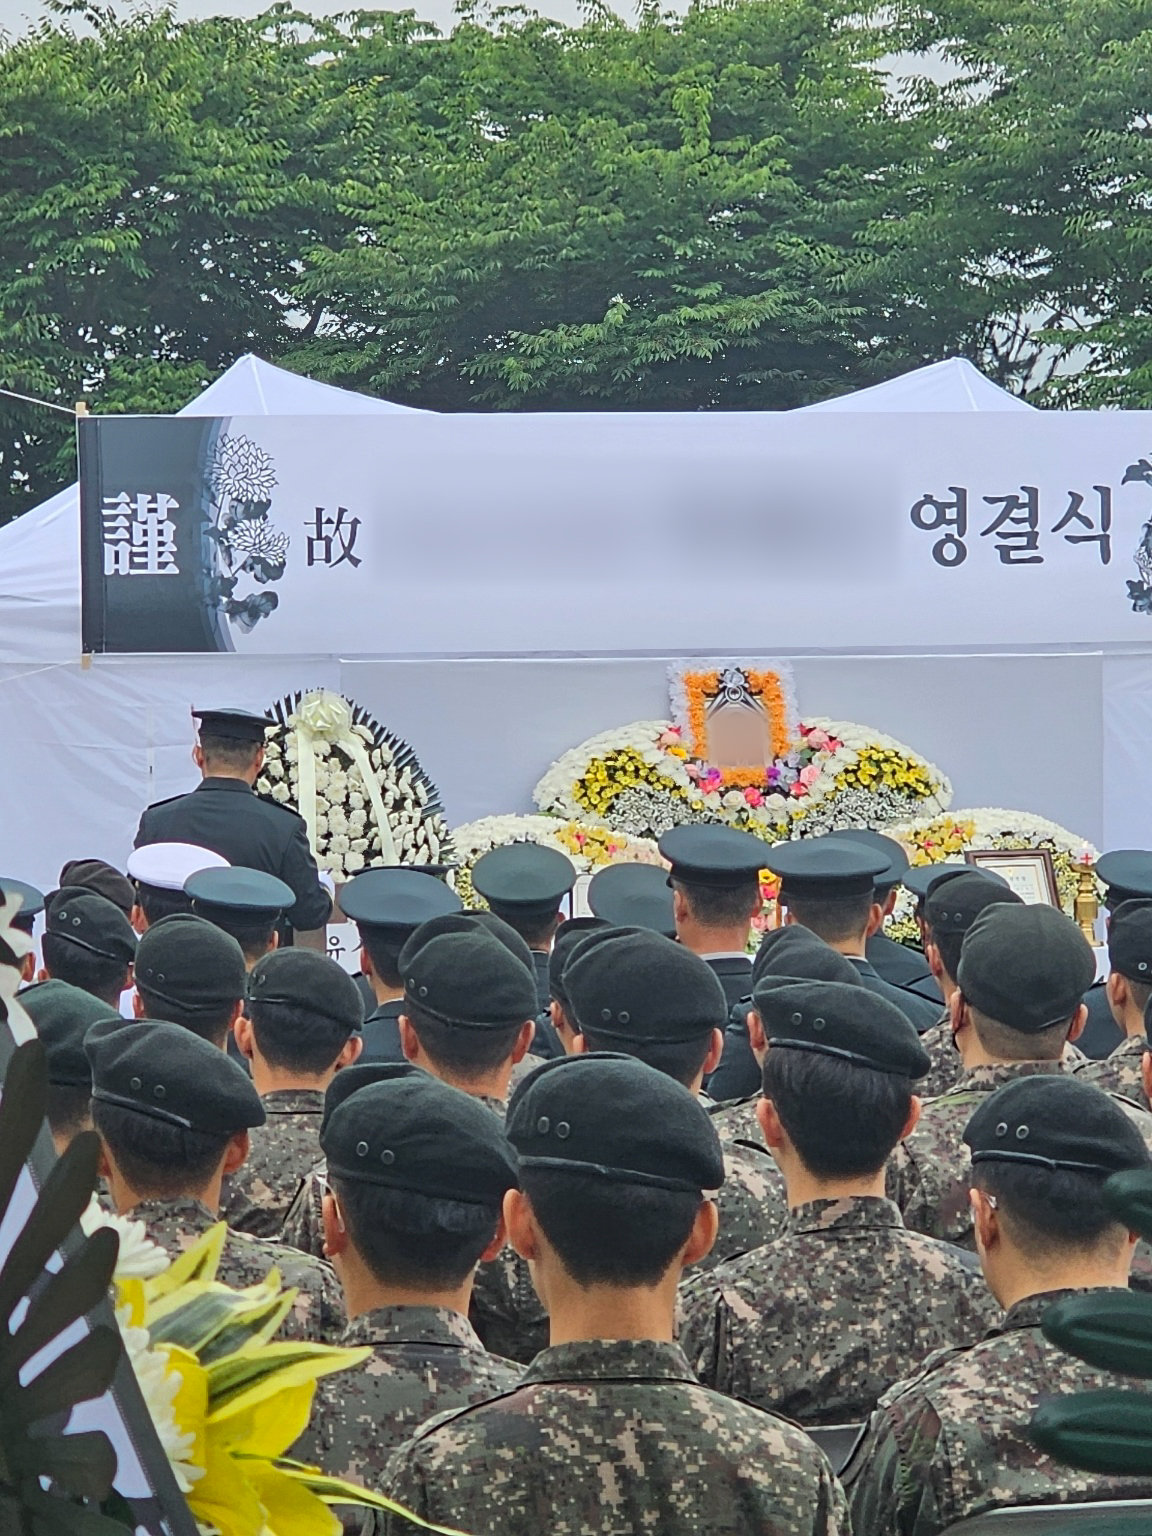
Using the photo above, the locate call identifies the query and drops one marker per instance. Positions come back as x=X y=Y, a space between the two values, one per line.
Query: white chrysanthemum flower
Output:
x=158 y=1386
x=139 y=1257
x=356 y=801
x=338 y=844
x=321 y=824
x=275 y=769
x=282 y=793
x=353 y=861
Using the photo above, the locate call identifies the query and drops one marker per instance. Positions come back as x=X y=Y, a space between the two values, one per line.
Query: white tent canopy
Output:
x=40 y=552
x=953 y=385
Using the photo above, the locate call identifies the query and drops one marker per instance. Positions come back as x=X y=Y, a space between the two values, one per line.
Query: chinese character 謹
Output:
x=329 y=531
x=139 y=536
x=1098 y=533
x=1016 y=526
x=930 y=513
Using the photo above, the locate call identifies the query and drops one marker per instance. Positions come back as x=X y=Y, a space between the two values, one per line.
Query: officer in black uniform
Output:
x=1127 y=876
x=524 y=885
x=829 y=885
x=715 y=880
x=899 y=964
x=387 y=906
x=225 y=813
x=633 y=896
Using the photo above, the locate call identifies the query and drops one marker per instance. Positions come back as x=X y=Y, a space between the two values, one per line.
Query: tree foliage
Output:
x=733 y=208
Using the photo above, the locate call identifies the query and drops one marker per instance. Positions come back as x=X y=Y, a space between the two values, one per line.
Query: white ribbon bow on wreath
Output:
x=327 y=717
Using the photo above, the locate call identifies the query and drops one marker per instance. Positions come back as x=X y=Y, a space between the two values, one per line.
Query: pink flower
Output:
x=798 y=789
x=818 y=738
x=753 y=796
x=691 y=770
x=670 y=737
x=809 y=775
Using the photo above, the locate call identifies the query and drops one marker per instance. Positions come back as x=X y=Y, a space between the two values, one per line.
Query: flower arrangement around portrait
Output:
x=228 y=1401
x=943 y=839
x=763 y=701
x=641 y=780
x=589 y=847
x=363 y=795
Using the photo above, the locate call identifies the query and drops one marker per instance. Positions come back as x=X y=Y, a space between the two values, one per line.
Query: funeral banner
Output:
x=662 y=532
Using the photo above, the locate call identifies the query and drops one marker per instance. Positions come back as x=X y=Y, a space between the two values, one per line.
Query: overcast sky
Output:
x=18 y=15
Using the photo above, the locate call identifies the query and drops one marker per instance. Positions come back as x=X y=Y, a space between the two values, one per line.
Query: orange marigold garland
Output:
x=693 y=693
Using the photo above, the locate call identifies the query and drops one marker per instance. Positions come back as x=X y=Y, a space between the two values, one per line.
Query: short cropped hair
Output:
x=536 y=928
x=411 y=1239
x=948 y=947
x=843 y=1119
x=156 y=1158
x=156 y=904
x=296 y=1039
x=1009 y=1044
x=228 y=752
x=610 y=1233
x=384 y=953
x=69 y=1109
x=65 y=961
x=684 y=1060
x=835 y=919
x=720 y=906
x=1049 y=1211
x=211 y=1024
x=253 y=936
x=465 y=1053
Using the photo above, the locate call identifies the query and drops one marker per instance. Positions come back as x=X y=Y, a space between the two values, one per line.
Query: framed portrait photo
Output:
x=1028 y=871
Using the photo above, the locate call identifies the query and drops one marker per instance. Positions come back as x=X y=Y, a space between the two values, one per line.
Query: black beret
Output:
x=232 y=724
x=168 y=1073
x=247 y=893
x=189 y=962
x=709 y=854
x=1055 y=1121
x=31 y=901
x=468 y=922
x=847 y=1022
x=104 y=879
x=1127 y=872
x=470 y=980
x=617 y=1118
x=1130 y=940
x=523 y=876
x=642 y=988
x=91 y=922
x=634 y=896
x=825 y=867
x=796 y=951
x=568 y=935
x=396 y=899
x=1027 y=967
x=415 y=1133
x=350 y=1080
x=886 y=847
x=63 y=1015
x=308 y=981
x=920 y=878
x=953 y=904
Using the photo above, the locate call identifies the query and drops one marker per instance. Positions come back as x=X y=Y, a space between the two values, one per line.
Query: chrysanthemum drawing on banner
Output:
x=242 y=477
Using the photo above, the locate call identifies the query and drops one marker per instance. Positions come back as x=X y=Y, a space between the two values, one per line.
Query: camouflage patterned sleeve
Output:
x=304 y=1224
x=902 y=1184
x=891 y=1490
x=702 y=1332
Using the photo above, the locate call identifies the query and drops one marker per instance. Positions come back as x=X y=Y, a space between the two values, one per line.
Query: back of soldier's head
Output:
x=304 y=1010
x=88 y=942
x=1042 y=1147
x=189 y=972
x=615 y=1159
x=633 y=991
x=419 y=1171
x=952 y=905
x=840 y=1070
x=468 y=997
x=1023 y=972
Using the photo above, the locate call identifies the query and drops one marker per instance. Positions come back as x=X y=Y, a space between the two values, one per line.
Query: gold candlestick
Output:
x=1086 y=905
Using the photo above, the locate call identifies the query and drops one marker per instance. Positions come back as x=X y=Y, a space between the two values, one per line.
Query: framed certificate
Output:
x=1028 y=871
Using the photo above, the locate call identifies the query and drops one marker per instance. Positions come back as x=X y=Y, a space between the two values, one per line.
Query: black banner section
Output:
x=149 y=571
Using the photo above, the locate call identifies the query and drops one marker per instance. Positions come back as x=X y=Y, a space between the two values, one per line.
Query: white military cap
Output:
x=166 y=866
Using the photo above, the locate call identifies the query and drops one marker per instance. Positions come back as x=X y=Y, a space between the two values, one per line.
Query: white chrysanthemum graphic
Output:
x=242 y=471
x=256 y=536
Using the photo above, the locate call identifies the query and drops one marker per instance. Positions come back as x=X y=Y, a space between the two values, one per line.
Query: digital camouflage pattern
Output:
x=425 y=1360
x=1120 y=1072
x=283 y=1149
x=946 y=1063
x=736 y=1121
x=752 y=1205
x=616 y=1438
x=318 y=1310
x=506 y=1312
x=818 y=1324
x=953 y=1441
x=929 y=1174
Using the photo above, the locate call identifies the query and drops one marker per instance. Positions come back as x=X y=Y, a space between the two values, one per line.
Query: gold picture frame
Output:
x=1030 y=872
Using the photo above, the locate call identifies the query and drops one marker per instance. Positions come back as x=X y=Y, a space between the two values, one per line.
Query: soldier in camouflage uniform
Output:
x=418 y=1176
x=301 y=1027
x=1128 y=990
x=607 y=1433
x=952 y=1442
x=822 y=1320
x=634 y=991
x=173 y=1115
x=1022 y=972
